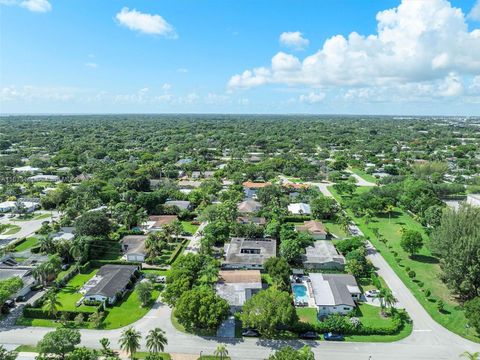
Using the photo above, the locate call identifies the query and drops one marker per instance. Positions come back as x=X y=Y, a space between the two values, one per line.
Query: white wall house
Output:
x=473 y=199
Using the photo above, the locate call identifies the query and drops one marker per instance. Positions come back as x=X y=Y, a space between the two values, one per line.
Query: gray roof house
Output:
x=181 y=204
x=109 y=281
x=323 y=255
x=237 y=286
x=133 y=247
x=242 y=253
x=334 y=293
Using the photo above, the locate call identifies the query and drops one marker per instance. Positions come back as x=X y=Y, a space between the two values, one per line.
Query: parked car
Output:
x=309 y=335
x=372 y=293
x=250 y=333
x=20 y=298
x=10 y=303
x=65 y=267
x=333 y=337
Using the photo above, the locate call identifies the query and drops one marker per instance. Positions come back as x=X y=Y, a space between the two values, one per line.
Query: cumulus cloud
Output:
x=145 y=23
x=91 y=65
x=40 y=6
x=416 y=42
x=312 y=97
x=294 y=40
x=474 y=14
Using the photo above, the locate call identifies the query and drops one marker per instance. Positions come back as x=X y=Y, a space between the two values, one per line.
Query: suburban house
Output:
x=133 y=247
x=242 y=253
x=314 y=228
x=42 y=177
x=473 y=199
x=249 y=206
x=260 y=221
x=66 y=233
x=299 y=209
x=29 y=206
x=157 y=222
x=181 y=204
x=189 y=184
x=26 y=169
x=334 y=293
x=109 y=282
x=250 y=188
x=237 y=286
x=9 y=268
x=323 y=255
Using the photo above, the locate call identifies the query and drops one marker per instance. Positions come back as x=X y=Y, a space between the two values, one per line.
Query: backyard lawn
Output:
x=27 y=244
x=424 y=264
x=189 y=227
x=69 y=295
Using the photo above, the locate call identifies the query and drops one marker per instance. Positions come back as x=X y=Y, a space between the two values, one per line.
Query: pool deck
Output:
x=311 y=299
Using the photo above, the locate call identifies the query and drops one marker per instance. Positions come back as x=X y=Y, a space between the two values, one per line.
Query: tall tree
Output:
x=156 y=340
x=130 y=341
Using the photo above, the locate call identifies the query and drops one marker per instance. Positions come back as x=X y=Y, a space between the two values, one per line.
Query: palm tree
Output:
x=389 y=299
x=156 y=340
x=52 y=304
x=344 y=221
x=130 y=341
x=389 y=209
x=221 y=351
x=470 y=356
x=209 y=274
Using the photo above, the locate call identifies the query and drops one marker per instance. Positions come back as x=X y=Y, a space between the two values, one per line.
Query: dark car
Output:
x=10 y=304
x=309 y=335
x=333 y=337
x=250 y=333
x=20 y=298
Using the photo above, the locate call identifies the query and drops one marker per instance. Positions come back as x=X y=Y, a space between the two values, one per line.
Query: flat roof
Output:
x=322 y=251
x=250 y=251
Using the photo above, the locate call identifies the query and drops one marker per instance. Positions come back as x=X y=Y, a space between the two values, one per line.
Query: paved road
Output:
x=360 y=181
x=28 y=227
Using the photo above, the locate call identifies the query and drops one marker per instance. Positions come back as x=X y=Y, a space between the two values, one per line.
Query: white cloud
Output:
x=91 y=65
x=166 y=87
x=474 y=14
x=40 y=6
x=30 y=93
x=416 y=43
x=294 y=40
x=182 y=70
x=145 y=23
x=312 y=97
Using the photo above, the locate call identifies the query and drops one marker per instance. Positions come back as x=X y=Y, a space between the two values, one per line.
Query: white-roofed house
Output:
x=299 y=209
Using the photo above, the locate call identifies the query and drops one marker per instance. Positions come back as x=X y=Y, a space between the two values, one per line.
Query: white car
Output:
x=372 y=293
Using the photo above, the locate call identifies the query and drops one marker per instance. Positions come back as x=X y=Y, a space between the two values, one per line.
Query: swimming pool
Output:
x=300 y=292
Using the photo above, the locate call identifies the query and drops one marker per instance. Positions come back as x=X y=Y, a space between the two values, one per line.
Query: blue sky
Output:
x=159 y=56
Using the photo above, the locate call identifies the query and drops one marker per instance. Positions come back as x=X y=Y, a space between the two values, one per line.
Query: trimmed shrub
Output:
x=412 y=274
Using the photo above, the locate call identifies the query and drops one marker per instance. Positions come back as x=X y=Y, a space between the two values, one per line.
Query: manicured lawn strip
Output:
x=26 y=348
x=11 y=229
x=425 y=266
x=189 y=227
x=69 y=295
x=127 y=311
x=27 y=244
x=366 y=176
x=334 y=228
x=143 y=355
x=213 y=357
x=406 y=331
x=369 y=315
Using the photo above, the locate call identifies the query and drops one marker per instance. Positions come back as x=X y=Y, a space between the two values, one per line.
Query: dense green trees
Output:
x=59 y=342
x=9 y=287
x=201 y=308
x=457 y=242
x=411 y=242
x=472 y=312
x=267 y=310
x=93 y=223
x=279 y=271
x=289 y=353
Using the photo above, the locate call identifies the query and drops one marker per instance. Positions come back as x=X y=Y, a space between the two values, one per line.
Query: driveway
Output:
x=194 y=244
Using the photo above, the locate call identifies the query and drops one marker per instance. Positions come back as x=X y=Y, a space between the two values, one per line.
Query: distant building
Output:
x=237 y=286
x=261 y=221
x=314 y=228
x=181 y=204
x=108 y=283
x=299 y=209
x=133 y=247
x=242 y=253
x=334 y=293
x=249 y=206
x=26 y=169
x=65 y=233
x=250 y=188
x=14 y=206
x=323 y=255
x=157 y=222
x=41 y=177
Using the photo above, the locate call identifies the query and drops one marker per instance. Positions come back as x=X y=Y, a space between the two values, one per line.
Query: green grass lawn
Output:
x=307 y=314
x=143 y=355
x=11 y=229
x=26 y=348
x=69 y=295
x=366 y=176
x=27 y=244
x=424 y=264
x=189 y=227
x=334 y=228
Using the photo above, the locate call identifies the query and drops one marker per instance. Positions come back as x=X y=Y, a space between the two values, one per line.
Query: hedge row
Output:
x=349 y=329
x=176 y=252
x=38 y=313
x=296 y=218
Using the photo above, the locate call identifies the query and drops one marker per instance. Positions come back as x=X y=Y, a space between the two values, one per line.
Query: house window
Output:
x=346 y=308
x=250 y=251
x=334 y=308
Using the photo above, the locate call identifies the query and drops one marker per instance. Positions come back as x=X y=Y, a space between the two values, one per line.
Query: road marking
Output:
x=424 y=330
